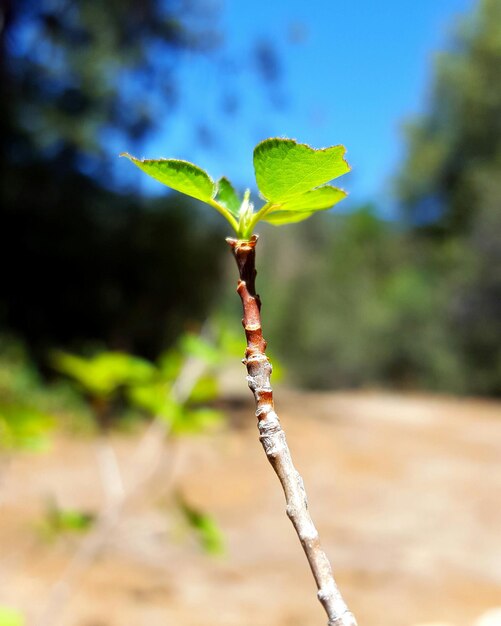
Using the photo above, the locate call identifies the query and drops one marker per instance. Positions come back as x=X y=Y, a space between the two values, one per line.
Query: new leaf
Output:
x=292 y=177
x=301 y=207
x=228 y=197
x=285 y=169
x=179 y=175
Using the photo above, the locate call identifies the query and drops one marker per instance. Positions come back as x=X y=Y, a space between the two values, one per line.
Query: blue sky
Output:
x=357 y=72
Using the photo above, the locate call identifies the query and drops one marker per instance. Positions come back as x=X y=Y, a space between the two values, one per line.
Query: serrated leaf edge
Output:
x=303 y=145
x=218 y=189
x=279 y=206
x=211 y=201
x=180 y=161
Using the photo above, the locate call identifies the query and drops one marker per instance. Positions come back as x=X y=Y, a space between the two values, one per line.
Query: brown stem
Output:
x=273 y=437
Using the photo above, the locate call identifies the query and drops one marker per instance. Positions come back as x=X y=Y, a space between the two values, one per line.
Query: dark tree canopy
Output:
x=80 y=75
x=79 y=81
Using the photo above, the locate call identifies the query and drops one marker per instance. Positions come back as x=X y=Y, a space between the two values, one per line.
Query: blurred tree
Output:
x=110 y=269
x=81 y=75
x=372 y=314
x=450 y=186
x=80 y=81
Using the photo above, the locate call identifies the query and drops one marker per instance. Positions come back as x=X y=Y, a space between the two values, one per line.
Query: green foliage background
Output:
x=416 y=302
x=349 y=300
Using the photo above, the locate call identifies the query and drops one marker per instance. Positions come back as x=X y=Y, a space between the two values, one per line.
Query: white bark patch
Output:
x=275 y=446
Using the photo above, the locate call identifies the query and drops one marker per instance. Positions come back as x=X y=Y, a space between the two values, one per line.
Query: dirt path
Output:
x=405 y=491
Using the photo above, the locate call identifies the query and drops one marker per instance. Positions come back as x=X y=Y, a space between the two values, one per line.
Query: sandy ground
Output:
x=405 y=491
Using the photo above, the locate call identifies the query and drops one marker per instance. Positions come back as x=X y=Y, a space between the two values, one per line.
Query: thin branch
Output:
x=144 y=464
x=273 y=437
x=5 y=463
x=106 y=520
x=109 y=470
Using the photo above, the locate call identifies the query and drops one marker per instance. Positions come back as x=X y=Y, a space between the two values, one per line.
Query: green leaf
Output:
x=74 y=521
x=24 y=427
x=285 y=169
x=58 y=521
x=315 y=200
x=170 y=363
x=206 y=389
x=228 y=197
x=180 y=175
x=231 y=343
x=198 y=347
x=278 y=369
x=10 y=617
x=151 y=397
x=204 y=526
x=156 y=399
x=103 y=373
x=196 y=421
x=287 y=217
x=302 y=207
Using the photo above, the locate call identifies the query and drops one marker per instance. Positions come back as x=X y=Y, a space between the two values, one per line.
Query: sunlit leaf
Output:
x=156 y=399
x=315 y=200
x=228 y=197
x=24 y=427
x=287 y=217
x=285 y=169
x=103 y=373
x=170 y=363
x=285 y=172
x=301 y=207
x=149 y=397
x=180 y=175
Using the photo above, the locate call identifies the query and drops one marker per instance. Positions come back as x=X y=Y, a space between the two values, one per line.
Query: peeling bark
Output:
x=273 y=437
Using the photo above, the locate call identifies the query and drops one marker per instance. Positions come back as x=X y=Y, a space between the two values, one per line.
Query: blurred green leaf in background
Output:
x=11 y=617
x=112 y=381
x=204 y=527
x=408 y=301
x=58 y=521
x=24 y=428
x=103 y=373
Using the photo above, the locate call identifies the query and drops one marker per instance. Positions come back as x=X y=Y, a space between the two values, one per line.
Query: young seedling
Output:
x=292 y=179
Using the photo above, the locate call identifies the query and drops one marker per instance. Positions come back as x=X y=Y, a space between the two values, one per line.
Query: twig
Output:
x=5 y=462
x=107 y=518
x=109 y=470
x=273 y=437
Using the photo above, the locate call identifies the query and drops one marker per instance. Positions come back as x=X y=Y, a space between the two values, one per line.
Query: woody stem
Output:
x=273 y=437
